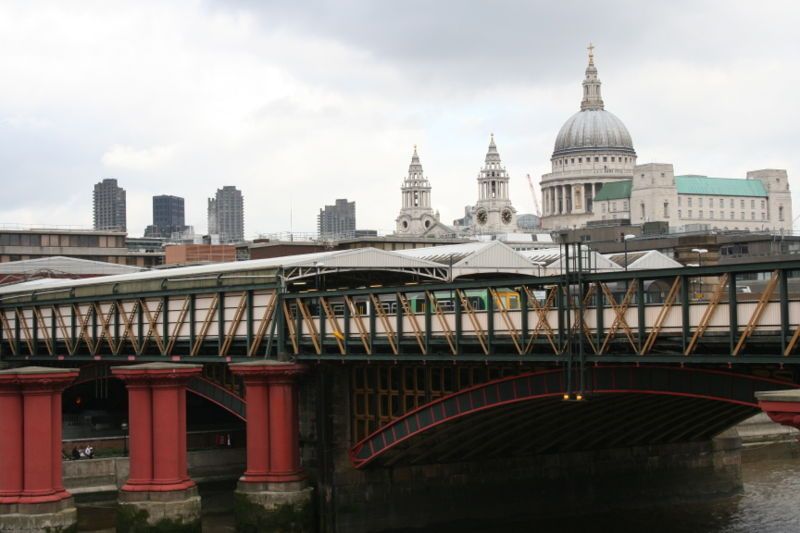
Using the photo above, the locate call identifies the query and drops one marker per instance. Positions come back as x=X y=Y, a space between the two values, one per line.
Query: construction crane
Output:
x=535 y=200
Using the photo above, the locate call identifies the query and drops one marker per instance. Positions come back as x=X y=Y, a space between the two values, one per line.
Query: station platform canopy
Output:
x=551 y=261
x=644 y=260
x=354 y=267
x=475 y=258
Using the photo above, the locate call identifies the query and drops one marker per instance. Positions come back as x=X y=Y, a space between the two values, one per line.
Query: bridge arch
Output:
x=526 y=414
x=199 y=386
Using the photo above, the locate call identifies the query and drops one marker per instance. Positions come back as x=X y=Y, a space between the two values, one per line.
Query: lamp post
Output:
x=539 y=265
x=625 y=245
x=124 y=428
x=700 y=252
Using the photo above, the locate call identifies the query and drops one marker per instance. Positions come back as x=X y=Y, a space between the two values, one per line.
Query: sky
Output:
x=300 y=103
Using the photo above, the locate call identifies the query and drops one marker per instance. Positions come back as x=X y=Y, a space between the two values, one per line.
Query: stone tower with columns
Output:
x=493 y=213
x=416 y=214
x=592 y=148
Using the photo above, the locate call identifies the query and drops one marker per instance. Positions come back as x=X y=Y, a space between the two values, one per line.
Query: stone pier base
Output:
x=282 y=506
x=176 y=510
x=53 y=517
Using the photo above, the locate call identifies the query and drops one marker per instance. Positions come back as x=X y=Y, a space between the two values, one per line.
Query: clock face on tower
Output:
x=506 y=216
x=482 y=216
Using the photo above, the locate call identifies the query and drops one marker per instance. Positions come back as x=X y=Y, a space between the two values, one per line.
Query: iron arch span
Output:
x=200 y=386
x=526 y=414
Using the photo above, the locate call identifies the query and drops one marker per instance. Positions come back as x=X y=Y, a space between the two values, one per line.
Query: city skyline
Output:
x=690 y=94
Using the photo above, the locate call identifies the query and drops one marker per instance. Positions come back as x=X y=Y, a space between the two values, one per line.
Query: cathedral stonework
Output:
x=416 y=214
x=493 y=213
x=592 y=148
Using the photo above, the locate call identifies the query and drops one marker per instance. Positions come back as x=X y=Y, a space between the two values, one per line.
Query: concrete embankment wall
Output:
x=108 y=474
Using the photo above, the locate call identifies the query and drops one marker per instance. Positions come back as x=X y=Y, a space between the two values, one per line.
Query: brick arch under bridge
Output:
x=201 y=386
x=527 y=415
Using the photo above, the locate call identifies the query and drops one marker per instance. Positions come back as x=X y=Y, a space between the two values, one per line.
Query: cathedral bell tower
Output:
x=416 y=215
x=493 y=212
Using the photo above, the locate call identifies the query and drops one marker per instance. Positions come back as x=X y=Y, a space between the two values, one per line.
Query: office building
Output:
x=109 y=206
x=337 y=221
x=226 y=214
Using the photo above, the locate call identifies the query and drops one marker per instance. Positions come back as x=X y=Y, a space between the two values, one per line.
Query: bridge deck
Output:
x=711 y=314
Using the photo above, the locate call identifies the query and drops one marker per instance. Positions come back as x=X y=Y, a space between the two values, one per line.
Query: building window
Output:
x=624 y=205
x=741 y=215
x=721 y=202
x=573 y=160
x=605 y=159
x=596 y=159
x=731 y=204
x=666 y=209
x=741 y=205
x=642 y=208
x=752 y=204
x=763 y=216
x=731 y=215
x=690 y=201
x=612 y=158
x=690 y=213
x=700 y=202
x=700 y=214
x=679 y=213
x=711 y=215
x=580 y=160
x=763 y=204
x=752 y=215
x=613 y=206
x=679 y=200
x=780 y=212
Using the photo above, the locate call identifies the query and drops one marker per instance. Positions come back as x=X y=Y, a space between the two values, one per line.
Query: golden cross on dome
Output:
x=591 y=52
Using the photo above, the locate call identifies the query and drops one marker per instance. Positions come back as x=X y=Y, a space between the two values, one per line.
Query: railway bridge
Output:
x=370 y=368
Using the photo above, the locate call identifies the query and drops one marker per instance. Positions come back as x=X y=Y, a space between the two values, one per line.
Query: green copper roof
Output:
x=616 y=190
x=719 y=186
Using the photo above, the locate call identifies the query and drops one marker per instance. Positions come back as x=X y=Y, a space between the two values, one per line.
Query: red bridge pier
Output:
x=158 y=488
x=274 y=477
x=782 y=406
x=32 y=495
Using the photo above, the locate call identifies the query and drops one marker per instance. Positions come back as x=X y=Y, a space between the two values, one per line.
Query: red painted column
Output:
x=283 y=425
x=58 y=473
x=30 y=434
x=157 y=424
x=11 y=444
x=37 y=430
x=140 y=431
x=167 y=431
x=273 y=451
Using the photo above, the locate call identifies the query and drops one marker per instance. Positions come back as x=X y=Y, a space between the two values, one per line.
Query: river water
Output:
x=768 y=503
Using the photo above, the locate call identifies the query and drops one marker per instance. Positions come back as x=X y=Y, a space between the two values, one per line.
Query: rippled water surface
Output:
x=768 y=503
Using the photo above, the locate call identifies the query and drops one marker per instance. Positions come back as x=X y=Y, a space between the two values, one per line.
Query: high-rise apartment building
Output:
x=109 y=206
x=226 y=214
x=337 y=221
x=168 y=216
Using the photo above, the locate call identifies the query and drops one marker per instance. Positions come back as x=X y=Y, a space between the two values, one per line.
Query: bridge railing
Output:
x=709 y=313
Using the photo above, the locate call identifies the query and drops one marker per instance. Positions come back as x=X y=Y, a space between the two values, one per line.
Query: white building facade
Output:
x=593 y=148
x=595 y=179
x=760 y=202
x=494 y=212
x=417 y=217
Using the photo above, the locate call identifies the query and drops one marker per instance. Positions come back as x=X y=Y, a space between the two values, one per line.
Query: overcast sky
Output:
x=300 y=103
